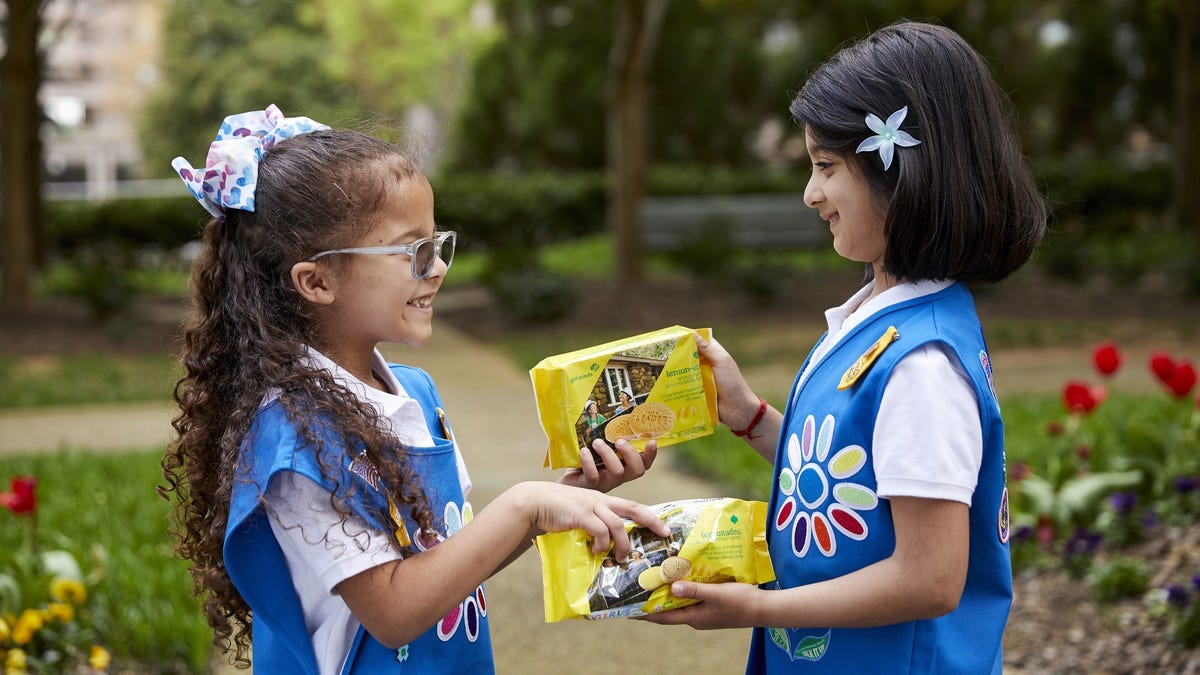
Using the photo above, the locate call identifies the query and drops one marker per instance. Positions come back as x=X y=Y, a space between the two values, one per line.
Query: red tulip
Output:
x=1183 y=380
x=1106 y=358
x=1078 y=397
x=1162 y=366
x=22 y=499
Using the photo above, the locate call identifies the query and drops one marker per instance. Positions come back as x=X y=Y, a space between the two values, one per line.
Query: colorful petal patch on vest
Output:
x=470 y=612
x=818 y=499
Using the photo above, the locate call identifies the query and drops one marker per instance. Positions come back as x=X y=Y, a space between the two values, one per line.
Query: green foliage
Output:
x=533 y=293
x=1119 y=579
x=141 y=607
x=229 y=56
x=498 y=211
x=85 y=379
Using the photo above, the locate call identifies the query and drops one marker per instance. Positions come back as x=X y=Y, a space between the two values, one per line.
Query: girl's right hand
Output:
x=736 y=401
x=552 y=507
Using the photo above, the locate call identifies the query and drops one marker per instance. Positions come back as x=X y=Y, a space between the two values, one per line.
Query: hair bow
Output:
x=230 y=174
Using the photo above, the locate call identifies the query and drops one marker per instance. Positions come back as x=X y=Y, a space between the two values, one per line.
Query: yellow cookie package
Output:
x=646 y=386
x=712 y=540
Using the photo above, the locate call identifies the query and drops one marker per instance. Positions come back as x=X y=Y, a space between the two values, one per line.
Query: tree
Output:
x=20 y=151
x=399 y=53
x=228 y=56
x=639 y=23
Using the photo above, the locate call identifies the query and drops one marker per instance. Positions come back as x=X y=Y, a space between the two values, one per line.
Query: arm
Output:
x=737 y=404
x=399 y=600
x=626 y=464
x=923 y=578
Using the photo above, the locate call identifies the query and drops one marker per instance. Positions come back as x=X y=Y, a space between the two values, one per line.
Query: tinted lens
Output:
x=422 y=260
x=446 y=250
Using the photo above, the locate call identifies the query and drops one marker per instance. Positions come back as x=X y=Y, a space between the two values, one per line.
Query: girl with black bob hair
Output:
x=889 y=513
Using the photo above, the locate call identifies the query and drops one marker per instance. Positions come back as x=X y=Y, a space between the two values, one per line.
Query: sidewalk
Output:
x=490 y=407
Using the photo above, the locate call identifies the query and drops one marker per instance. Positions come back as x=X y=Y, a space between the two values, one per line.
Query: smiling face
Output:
x=844 y=201
x=377 y=298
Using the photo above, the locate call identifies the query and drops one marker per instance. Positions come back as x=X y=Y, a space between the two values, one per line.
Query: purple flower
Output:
x=1196 y=582
x=1185 y=484
x=1123 y=502
x=1024 y=533
x=1177 y=595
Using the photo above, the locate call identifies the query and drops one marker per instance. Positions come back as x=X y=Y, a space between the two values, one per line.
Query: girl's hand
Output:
x=621 y=465
x=736 y=401
x=553 y=507
x=724 y=605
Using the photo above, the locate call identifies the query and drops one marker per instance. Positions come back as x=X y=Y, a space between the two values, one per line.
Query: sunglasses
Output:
x=422 y=252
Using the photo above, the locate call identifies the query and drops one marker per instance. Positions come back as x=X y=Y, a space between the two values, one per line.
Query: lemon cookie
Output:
x=651 y=419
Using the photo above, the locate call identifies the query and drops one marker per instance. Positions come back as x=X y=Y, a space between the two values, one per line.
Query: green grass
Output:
x=87 y=378
x=104 y=510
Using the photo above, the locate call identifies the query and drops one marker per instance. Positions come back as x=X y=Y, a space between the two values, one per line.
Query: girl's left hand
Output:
x=723 y=605
x=621 y=465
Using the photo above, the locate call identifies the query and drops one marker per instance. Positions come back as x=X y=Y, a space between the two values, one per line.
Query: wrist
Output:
x=748 y=419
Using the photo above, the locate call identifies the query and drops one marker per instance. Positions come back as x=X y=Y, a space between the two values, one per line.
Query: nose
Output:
x=812 y=192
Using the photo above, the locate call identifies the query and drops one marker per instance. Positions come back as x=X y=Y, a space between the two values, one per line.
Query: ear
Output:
x=313 y=283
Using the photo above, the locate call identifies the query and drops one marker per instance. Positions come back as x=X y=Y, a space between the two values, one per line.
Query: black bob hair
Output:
x=961 y=205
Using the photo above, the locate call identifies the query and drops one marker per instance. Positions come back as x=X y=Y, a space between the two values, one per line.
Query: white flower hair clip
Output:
x=887 y=136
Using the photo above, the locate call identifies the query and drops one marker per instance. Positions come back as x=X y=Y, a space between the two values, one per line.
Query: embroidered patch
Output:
x=402 y=654
x=365 y=469
x=987 y=370
x=864 y=362
x=799 y=646
x=817 y=499
x=1005 y=527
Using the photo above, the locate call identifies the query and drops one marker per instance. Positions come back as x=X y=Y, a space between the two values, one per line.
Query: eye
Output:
x=822 y=166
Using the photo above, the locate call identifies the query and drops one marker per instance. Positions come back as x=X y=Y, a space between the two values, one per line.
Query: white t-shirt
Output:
x=928 y=437
x=320 y=551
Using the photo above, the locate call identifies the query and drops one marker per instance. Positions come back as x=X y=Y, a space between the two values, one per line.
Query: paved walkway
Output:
x=491 y=407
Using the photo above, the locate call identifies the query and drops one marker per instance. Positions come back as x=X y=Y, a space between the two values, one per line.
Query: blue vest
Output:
x=459 y=643
x=827 y=520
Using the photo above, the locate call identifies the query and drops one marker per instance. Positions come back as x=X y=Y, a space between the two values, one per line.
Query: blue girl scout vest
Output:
x=827 y=520
x=459 y=643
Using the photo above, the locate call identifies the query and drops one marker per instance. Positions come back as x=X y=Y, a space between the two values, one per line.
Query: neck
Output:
x=359 y=364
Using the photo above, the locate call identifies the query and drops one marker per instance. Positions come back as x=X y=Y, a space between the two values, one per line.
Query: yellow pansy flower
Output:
x=27 y=625
x=15 y=660
x=68 y=590
x=5 y=632
x=99 y=658
x=61 y=612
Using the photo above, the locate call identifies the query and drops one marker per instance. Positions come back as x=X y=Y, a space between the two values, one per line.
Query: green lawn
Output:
x=105 y=511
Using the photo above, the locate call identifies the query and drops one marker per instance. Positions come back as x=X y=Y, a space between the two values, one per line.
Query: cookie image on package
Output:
x=651 y=419
x=619 y=428
x=671 y=569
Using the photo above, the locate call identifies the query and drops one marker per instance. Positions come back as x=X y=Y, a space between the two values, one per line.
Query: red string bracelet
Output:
x=762 y=410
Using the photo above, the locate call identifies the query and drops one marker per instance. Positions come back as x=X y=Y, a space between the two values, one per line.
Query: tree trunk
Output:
x=20 y=153
x=639 y=23
x=1187 y=114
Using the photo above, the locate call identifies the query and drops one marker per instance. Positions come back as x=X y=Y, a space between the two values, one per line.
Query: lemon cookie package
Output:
x=712 y=541
x=649 y=386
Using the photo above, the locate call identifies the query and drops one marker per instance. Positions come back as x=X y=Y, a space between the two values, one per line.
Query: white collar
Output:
x=854 y=311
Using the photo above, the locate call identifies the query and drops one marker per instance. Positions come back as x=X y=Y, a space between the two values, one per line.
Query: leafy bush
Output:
x=533 y=293
x=1119 y=579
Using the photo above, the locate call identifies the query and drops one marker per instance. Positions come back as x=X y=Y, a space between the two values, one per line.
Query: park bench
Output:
x=753 y=221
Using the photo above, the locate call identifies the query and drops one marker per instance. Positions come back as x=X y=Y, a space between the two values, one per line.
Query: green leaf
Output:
x=1079 y=495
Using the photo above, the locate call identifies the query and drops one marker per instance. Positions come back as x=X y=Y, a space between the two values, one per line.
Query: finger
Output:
x=676 y=617
x=643 y=516
x=617 y=534
x=631 y=461
x=608 y=457
x=649 y=454
x=599 y=532
x=587 y=467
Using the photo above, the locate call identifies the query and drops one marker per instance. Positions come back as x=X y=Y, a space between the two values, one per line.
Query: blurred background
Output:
x=612 y=166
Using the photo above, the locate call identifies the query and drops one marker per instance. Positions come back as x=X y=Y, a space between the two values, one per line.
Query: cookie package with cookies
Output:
x=649 y=386
x=712 y=540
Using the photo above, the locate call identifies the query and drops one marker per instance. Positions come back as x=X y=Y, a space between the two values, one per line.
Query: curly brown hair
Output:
x=248 y=332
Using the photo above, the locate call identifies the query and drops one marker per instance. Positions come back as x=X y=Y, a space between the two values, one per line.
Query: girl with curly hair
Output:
x=320 y=495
